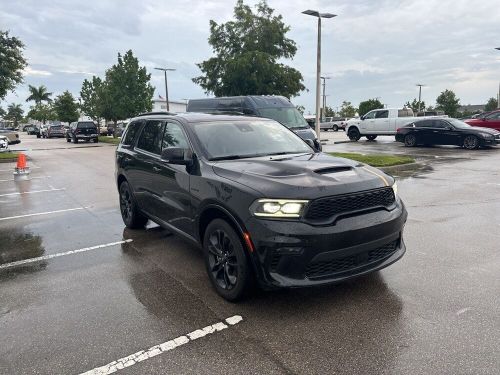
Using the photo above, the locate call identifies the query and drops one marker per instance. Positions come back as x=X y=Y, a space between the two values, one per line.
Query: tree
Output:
x=14 y=113
x=42 y=112
x=329 y=112
x=2 y=112
x=127 y=89
x=491 y=105
x=12 y=63
x=92 y=98
x=247 y=50
x=347 y=110
x=39 y=94
x=66 y=108
x=415 y=105
x=368 y=105
x=448 y=102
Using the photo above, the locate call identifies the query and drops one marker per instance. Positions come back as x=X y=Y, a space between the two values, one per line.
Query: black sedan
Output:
x=446 y=131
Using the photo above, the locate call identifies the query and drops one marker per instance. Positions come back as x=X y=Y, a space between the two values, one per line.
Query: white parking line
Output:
x=31 y=178
x=31 y=192
x=12 y=169
x=43 y=213
x=162 y=348
x=45 y=257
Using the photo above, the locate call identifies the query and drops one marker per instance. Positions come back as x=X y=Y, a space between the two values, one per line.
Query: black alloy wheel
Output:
x=131 y=216
x=471 y=142
x=226 y=262
x=354 y=134
x=371 y=137
x=410 y=140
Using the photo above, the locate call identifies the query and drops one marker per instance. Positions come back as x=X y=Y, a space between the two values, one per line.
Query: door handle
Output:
x=156 y=169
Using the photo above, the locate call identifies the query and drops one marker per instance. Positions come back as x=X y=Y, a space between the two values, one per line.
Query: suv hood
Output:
x=305 y=176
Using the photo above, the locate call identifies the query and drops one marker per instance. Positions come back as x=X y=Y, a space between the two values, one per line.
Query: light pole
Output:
x=165 y=70
x=316 y=13
x=419 y=93
x=498 y=96
x=324 y=98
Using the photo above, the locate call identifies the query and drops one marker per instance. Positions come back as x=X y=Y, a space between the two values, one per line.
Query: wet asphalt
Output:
x=436 y=311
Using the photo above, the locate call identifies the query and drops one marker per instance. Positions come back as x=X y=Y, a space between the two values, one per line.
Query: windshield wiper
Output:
x=233 y=157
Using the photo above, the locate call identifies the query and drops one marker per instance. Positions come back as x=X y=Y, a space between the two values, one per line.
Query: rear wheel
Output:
x=227 y=264
x=335 y=128
x=410 y=140
x=371 y=137
x=75 y=140
x=354 y=134
x=471 y=142
x=68 y=140
x=131 y=216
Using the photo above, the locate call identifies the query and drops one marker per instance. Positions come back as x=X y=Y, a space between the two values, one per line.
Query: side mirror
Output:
x=177 y=155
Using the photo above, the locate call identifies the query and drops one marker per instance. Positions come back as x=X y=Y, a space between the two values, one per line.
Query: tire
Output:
x=68 y=140
x=227 y=264
x=38 y=135
x=410 y=140
x=471 y=142
x=75 y=140
x=335 y=128
x=96 y=140
x=354 y=134
x=371 y=137
x=131 y=216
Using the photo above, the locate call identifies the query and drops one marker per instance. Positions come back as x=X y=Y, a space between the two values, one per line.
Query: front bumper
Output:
x=15 y=142
x=297 y=254
x=86 y=136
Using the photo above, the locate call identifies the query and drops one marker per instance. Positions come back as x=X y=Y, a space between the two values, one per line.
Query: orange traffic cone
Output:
x=21 y=171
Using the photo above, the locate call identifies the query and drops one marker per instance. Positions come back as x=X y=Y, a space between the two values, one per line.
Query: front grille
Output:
x=275 y=261
x=345 y=264
x=324 y=208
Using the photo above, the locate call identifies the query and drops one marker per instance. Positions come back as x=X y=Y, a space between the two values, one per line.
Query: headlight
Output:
x=278 y=207
x=395 y=188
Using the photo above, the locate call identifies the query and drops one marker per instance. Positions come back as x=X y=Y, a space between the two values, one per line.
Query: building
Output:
x=160 y=105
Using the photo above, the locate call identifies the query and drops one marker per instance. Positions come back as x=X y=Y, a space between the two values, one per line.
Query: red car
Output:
x=491 y=120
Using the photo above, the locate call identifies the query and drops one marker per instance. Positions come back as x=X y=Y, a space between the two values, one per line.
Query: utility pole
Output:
x=324 y=98
x=165 y=70
x=419 y=94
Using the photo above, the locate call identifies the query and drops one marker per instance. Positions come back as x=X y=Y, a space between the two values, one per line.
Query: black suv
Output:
x=82 y=131
x=262 y=204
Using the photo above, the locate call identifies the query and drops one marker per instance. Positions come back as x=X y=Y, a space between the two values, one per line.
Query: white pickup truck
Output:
x=379 y=122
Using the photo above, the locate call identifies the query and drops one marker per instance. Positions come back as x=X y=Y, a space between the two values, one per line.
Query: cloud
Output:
x=29 y=71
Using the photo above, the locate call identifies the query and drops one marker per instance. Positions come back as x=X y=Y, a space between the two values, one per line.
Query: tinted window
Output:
x=288 y=116
x=439 y=124
x=370 y=115
x=382 y=114
x=132 y=130
x=494 y=116
x=423 y=124
x=173 y=136
x=150 y=138
x=86 y=125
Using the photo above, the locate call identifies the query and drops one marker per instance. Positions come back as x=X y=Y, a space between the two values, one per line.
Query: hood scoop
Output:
x=331 y=170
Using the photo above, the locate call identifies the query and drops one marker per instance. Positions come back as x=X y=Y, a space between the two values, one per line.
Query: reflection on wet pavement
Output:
x=16 y=245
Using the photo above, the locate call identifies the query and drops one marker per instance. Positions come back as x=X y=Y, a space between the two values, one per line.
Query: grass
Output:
x=106 y=139
x=8 y=156
x=376 y=160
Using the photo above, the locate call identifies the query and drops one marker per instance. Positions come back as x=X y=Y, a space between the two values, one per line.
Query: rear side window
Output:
x=132 y=130
x=151 y=137
x=423 y=124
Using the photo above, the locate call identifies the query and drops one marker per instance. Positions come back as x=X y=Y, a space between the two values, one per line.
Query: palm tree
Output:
x=39 y=94
x=15 y=113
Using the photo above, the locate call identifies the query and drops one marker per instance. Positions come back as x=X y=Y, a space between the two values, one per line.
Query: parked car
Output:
x=54 y=131
x=43 y=130
x=277 y=108
x=334 y=123
x=4 y=143
x=446 y=131
x=117 y=130
x=11 y=135
x=33 y=130
x=490 y=120
x=82 y=131
x=261 y=202
x=379 y=122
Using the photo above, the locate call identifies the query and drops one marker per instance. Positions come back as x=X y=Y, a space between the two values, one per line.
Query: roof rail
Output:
x=227 y=112
x=156 y=113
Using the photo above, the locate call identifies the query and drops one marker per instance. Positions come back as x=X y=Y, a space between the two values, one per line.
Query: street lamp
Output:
x=165 y=70
x=319 y=15
x=419 y=85
x=324 y=97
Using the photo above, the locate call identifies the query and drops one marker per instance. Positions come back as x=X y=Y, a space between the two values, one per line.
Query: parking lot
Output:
x=78 y=292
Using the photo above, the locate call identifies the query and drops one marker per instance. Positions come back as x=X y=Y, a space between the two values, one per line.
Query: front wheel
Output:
x=131 y=216
x=410 y=140
x=471 y=142
x=371 y=137
x=227 y=264
x=354 y=134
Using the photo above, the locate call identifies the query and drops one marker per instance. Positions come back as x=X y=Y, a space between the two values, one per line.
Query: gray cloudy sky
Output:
x=372 y=49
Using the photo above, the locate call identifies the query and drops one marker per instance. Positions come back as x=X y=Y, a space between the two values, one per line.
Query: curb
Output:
x=401 y=167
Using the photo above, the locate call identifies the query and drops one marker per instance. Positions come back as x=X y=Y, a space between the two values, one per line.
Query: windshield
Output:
x=241 y=139
x=288 y=116
x=458 y=124
x=86 y=125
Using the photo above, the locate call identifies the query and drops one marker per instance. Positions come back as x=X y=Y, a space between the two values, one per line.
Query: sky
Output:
x=373 y=48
